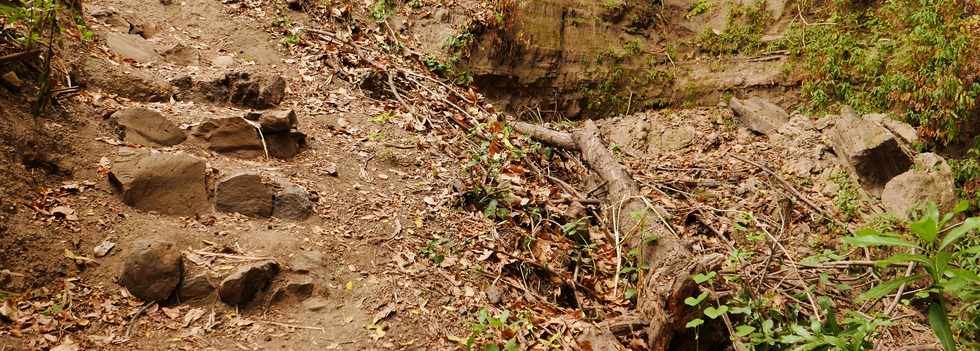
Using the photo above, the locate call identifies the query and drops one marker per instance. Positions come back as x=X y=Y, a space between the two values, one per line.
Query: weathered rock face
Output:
x=180 y=54
x=168 y=183
x=138 y=85
x=274 y=121
x=145 y=127
x=759 y=115
x=238 y=137
x=306 y=261
x=869 y=150
x=195 y=287
x=295 y=289
x=931 y=180
x=292 y=202
x=232 y=136
x=241 y=286
x=246 y=193
x=132 y=47
x=153 y=270
x=248 y=90
x=905 y=132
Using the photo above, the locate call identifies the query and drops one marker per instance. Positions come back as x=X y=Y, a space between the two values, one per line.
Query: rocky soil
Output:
x=262 y=175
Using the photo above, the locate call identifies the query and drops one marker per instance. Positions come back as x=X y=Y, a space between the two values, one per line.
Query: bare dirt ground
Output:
x=404 y=250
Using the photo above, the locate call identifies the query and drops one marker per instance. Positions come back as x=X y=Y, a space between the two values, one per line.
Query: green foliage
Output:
x=913 y=57
x=496 y=332
x=847 y=199
x=966 y=173
x=382 y=9
x=933 y=249
x=36 y=17
x=698 y=8
x=435 y=250
x=743 y=33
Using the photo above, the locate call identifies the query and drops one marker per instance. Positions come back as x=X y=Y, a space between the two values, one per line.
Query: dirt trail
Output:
x=380 y=189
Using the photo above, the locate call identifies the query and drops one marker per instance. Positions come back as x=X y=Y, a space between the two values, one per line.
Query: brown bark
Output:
x=668 y=281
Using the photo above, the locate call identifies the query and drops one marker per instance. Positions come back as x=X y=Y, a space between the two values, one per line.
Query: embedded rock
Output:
x=152 y=272
x=130 y=82
x=142 y=126
x=274 y=121
x=869 y=150
x=759 y=115
x=195 y=287
x=249 y=90
x=306 y=261
x=168 y=183
x=931 y=180
x=233 y=136
x=292 y=202
x=242 y=285
x=245 y=193
x=295 y=289
x=132 y=47
x=238 y=137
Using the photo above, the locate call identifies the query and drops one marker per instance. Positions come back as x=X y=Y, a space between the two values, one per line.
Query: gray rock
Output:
x=245 y=193
x=315 y=304
x=222 y=61
x=274 y=121
x=255 y=91
x=195 y=287
x=759 y=115
x=130 y=82
x=232 y=136
x=495 y=295
x=869 y=150
x=671 y=139
x=241 y=286
x=930 y=181
x=306 y=261
x=132 y=47
x=295 y=289
x=152 y=272
x=168 y=183
x=285 y=145
x=142 y=126
x=293 y=203
x=236 y=137
x=180 y=54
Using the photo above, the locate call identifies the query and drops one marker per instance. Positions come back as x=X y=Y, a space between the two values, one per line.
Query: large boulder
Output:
x=759 y=115
x=245 y=193
x=143 y=126
x=931 y=180
x=869 y=150
x=241 y=286
x=153 y=270
x=905 y=132
x=168 y=183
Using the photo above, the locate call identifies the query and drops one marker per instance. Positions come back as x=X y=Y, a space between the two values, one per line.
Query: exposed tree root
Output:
x=660 y=304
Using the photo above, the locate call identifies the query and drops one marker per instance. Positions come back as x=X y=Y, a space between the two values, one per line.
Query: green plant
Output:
x=933 y=250
x=383 y=118
x=743 y=32
x=847 y=198
x=435 y=250
x=382 y=9
x=36 y=16
x=913 y=57
x=495 y=332
x=698 y=8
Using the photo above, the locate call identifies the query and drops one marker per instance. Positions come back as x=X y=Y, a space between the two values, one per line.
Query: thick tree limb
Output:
x=668 y=282
x=545 y=135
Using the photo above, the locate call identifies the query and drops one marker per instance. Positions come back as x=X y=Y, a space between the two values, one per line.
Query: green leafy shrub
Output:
x=913 y=57
x=934 y=249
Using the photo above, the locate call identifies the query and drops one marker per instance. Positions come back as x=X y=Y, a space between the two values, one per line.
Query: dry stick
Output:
x=789 y=187
x=294 y=326
x=19 y=55
x=132 y=321
x=792 y=262
x=234 y=257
